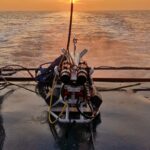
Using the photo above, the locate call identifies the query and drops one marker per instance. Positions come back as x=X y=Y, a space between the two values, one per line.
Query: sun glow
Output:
x=81 y=5
x=75 y=1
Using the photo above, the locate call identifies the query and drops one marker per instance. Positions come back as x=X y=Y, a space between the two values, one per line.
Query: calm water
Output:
x=113 y=38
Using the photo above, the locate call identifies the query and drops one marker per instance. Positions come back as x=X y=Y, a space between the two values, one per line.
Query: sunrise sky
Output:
x=81 y=5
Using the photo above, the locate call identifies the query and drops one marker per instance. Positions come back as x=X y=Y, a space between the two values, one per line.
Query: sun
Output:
x=68 y=1
x=75 y=1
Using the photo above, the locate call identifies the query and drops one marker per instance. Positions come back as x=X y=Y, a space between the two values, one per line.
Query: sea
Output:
x=113 y=38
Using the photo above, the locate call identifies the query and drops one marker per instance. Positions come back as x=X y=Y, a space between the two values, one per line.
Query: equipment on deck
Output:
x=67 y=87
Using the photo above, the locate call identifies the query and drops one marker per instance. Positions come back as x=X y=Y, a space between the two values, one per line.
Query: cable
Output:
x=70 y=60
x=12 y=72
x=7 y=83
x=118 y=88
x=70 y=25
x=121 y=68
x=83 y=114
x=69 y=33
x=3 y=86
x=51 y=98
x=11 y=66
x=47 y=63
x=92 y=137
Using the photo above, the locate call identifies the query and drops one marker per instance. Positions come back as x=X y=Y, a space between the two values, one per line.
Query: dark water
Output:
x=125 y=123
x=2 y=130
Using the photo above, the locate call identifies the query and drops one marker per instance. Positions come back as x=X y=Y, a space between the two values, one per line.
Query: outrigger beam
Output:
x=122 y=68
x=18 y=69
x=101 y=79
x=121 y=79
x=29 y=79
x=17 y=79
x=96 y=68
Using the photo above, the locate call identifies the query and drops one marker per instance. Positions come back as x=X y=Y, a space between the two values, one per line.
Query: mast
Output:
x=70 y=25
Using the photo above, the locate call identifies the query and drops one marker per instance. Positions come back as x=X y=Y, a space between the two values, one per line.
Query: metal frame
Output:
x=66 y=119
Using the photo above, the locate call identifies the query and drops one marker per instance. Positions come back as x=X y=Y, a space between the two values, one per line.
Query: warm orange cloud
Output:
x=83 y=5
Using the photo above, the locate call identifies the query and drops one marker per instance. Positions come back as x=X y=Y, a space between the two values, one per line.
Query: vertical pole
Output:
x=70 y=25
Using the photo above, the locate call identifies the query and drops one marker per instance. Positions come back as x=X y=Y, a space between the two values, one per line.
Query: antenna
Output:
x=70 y=25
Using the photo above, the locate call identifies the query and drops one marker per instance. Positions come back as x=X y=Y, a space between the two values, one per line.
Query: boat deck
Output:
x=125 y=120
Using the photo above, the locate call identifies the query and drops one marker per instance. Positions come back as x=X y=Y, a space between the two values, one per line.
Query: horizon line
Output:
x=75 y=10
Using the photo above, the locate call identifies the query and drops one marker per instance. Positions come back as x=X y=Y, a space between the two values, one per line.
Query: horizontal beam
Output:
x=27 y=79
x=96 y=68
x=19 y=69
x=122 y=90
x=17 y=79
x=121 y=79
x=122 y=68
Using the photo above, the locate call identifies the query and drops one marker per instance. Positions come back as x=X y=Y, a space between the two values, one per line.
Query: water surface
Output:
x=114 y=38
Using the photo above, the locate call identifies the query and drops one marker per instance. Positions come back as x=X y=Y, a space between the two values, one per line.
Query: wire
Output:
x=11 y=71
x=69 y=33
x=70 y=25
x=70 y=60
x=11 y=66
x=121 y=68
x=118 y=88
x=83 y=114
x=7 y=83
x=51 y=99
x=3 y=86
x=47 y=63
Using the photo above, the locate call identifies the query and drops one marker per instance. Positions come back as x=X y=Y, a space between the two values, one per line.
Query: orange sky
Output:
x=84 y=5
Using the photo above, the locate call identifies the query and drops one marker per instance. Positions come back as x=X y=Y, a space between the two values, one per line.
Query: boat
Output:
x=68 y=89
